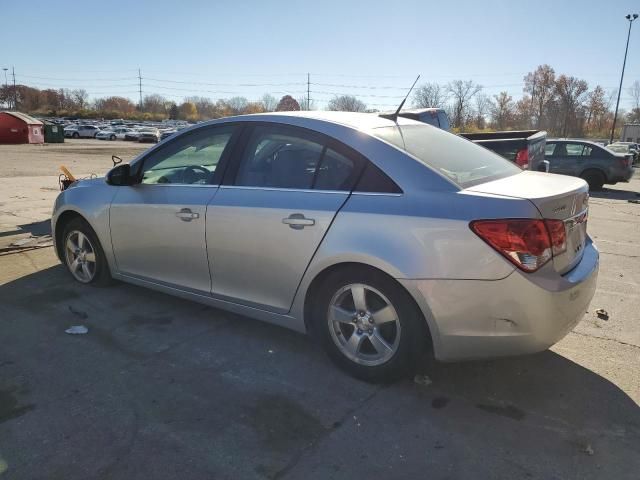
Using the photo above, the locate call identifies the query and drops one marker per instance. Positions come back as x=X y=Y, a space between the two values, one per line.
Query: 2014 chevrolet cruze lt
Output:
x=379 y=237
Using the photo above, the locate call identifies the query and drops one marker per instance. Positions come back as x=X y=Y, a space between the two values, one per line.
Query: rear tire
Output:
x=112 y=137
x=75 y=135
x=83 y=255
x=594 y=178
x=368 y=324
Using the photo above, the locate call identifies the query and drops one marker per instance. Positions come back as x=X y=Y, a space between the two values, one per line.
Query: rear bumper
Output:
x=519 y=314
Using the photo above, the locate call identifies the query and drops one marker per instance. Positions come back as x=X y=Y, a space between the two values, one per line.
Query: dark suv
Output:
x=595 y=164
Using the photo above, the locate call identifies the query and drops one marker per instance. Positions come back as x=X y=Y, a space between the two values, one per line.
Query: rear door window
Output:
x=292 y=158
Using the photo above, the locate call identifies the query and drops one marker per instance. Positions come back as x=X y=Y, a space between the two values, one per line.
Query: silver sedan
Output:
x=381 y=238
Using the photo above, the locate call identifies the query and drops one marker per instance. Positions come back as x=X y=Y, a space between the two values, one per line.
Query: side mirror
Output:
x=120 y=176
x=544 y=166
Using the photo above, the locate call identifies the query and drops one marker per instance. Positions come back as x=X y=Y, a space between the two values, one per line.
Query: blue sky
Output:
x=220 y=49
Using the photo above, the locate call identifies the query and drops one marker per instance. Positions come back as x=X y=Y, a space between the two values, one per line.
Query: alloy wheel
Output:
x=80 y=256
x=364 y=324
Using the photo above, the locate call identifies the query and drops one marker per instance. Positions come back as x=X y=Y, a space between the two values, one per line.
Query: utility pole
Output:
x=631 y=18
x=308 y=91
x=140 y=87
x=15 y=92
x=6 y=87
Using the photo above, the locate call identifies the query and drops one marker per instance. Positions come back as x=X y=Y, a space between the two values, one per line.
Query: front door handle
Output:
x=186 y=215
x=298 y=221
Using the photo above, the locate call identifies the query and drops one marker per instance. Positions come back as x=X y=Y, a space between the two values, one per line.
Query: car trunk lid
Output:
x=557 y=197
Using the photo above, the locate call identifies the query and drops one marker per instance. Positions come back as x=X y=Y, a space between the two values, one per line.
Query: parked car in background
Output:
x=167 y=134
x=525 y=148
x=149 y=135
x=106 y=135
x=81 y=131
x=626 y=148
x=132 y=134
x=387 y=237
x=595 y=164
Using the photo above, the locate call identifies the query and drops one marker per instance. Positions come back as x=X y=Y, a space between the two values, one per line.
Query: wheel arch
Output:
x=594 y=169
x=61 y=222
x=430 y=328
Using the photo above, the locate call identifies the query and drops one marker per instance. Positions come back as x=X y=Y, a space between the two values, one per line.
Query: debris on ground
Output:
x=602 y=314
x=423 y=380
x=588 y=449
x=77 y=330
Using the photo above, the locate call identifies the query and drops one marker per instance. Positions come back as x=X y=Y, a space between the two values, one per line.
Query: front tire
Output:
x=112 y=138
x=368 y=324
x=75 y=135
x=83 y=254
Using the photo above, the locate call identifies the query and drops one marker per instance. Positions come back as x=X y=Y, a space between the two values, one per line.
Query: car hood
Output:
x=87 y=182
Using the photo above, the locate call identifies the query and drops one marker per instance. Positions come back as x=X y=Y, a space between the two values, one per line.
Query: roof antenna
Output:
x=394 y=116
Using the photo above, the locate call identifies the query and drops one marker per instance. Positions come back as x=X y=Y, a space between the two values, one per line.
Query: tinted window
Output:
x=375 y=180
x=287 y=157
x=456 y=158
x=335 y=172
x=279 y=157
x=190 y=159
x=444 y=121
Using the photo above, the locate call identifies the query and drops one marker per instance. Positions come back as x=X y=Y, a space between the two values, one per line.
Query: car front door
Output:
x=282 y=192
x=158 y=225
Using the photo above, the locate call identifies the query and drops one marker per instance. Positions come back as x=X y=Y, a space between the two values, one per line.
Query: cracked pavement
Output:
x=163 y=388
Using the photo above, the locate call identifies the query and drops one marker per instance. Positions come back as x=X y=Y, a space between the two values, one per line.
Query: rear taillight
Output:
x=522 y=158
x=625 y=162
x=527 y=243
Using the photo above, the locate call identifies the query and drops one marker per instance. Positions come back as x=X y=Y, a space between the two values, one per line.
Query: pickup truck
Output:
x=524 y=147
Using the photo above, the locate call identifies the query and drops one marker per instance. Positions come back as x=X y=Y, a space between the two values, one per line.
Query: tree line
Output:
x=561 y=104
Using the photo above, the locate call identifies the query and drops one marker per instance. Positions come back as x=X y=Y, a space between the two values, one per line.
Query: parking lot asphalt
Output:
x=163 y=388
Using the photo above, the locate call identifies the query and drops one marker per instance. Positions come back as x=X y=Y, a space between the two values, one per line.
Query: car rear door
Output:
x=282 y=192
x=158 y=225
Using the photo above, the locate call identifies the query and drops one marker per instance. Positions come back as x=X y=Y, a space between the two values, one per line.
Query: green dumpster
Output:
x=53 y=133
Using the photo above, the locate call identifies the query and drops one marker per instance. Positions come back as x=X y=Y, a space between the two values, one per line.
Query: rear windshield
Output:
x=460 y=160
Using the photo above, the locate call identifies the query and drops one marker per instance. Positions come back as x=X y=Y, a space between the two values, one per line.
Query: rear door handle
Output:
x=186 y=215
x=298 y=221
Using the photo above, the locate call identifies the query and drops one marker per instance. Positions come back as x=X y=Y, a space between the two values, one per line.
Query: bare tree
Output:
x=307 y=104
x=80 y=97
x=502 y=110
x=462 y=92
x=571 y=94
x=429 y=95
x=237 y=104
x=634 y=91
x=541 y=86
x=154 y=104
x=483 y=107
x=269 y=102
x=346 y=103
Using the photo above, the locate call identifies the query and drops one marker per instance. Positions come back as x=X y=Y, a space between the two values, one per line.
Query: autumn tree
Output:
x=287 y=104
x=188 y=111
x=430 y=95
x=80 y=97
x=596 y=107
x=346 y=103
x=462 y=92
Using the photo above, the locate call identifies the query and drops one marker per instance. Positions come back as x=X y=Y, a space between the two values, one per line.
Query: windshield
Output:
x=458 y=159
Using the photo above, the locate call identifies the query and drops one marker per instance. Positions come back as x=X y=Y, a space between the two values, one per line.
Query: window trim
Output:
x=327 y=142
x=218 y=175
